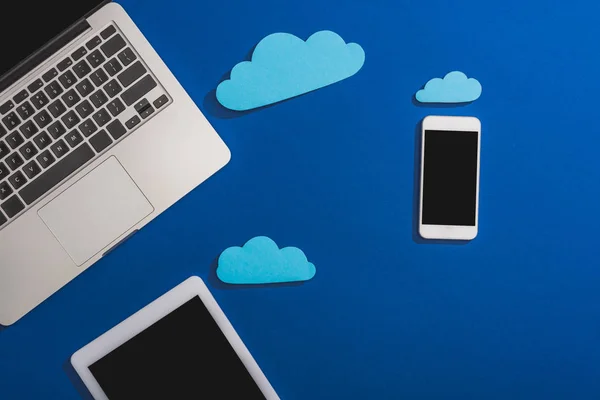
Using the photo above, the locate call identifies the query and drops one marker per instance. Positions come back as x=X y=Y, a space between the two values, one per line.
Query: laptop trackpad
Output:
x=95 y=211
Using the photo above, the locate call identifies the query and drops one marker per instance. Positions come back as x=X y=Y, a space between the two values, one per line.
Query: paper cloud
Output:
x=454 y=88
x=261 y=261
x=284 y=66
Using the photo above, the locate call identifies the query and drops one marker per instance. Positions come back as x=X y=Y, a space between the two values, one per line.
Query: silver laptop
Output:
x=97 y=138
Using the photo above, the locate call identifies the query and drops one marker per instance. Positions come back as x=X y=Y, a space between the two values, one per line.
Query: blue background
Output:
x=512 y=315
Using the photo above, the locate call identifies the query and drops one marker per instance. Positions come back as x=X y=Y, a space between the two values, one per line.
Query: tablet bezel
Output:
x=153 y=312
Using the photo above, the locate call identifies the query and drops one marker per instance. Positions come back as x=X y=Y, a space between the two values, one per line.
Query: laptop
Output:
x=97 y=138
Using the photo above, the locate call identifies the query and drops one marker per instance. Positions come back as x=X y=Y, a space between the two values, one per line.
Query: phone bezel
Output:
x=450 y=124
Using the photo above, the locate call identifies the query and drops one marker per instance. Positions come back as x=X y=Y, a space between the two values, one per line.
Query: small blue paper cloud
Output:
x=454 y=88
x=261 y=261
x=284 y=66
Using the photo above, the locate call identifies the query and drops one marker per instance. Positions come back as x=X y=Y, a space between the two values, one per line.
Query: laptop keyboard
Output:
x=73 y=111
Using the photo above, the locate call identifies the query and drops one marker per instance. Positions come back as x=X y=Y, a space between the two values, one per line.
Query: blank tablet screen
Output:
x=183 y=356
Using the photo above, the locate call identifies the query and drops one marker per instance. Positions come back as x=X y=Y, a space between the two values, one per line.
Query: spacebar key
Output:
x=138 y=90
x=49 y=179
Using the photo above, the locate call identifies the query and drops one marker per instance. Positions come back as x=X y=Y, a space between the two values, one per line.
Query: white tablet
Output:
x=180 y=346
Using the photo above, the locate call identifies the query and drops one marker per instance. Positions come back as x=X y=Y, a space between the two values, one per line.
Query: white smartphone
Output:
x=450 y=159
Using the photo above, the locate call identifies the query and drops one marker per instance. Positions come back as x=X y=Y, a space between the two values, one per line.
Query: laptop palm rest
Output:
x=95 y=211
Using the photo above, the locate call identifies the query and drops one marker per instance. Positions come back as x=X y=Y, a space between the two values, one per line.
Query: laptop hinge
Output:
x=50 y=48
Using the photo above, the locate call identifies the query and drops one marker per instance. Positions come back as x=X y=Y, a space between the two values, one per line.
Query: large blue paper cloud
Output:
x=261 y=261
x=284 y=66
x=454 y=88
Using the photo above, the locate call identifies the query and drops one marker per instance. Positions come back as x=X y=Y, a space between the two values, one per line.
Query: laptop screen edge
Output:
x=52 y=46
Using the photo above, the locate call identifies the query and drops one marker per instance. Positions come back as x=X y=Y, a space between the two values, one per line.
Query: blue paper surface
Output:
x=510 y=316
x=284 y=66
x=260 y=261
x=455 y=87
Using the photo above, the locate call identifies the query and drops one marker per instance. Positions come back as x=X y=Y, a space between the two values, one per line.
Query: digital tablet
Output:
x=180 y=346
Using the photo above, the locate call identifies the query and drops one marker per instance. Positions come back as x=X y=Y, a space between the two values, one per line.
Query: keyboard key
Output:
x=57 y=108
x=3 y=219
x=115 y=107
x=6 y=107
x=67 y=79
x=64 y=64
x=59 y=148
x=113 y=45
x=71 y=98
x=93 y=42
x=84 y=87
x=100 y=141
x=133 y=122
x=144 y=108
x=113 y=67
x=116 y=129
x=14 y=161
x=11 y=121
x=147 y=112
x=35 y=85
x=53 y=90
x=108 y=32
x=3 y=172
x=47 y=77
x=87 y=127
x=84 y=109
x=45 y=159
x=42 y=119
x=28 y=129
x=99 y=77
x=14 y=140
x=13 y=206
x=19 y=97
x=127 y=56
x=95 y=59
x=70 y=119
x=5 y=190
x=3 y=151
x=42 y=140
x=32 y=169
x=57 y=129
x=82 y=69
x=39 y=100
x=57 y=173
x=132 y=74
x=112 y=88
x=77 y=54
x=25 y=110
x=101 y=117
x=3 y=131
x=98 y=98
x=139 y=89
x=17 y=180
x=161 y=101
x=73 y=138
x=141 y=105
x=28 y=150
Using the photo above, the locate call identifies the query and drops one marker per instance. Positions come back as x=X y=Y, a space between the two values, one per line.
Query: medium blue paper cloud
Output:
x=261 y=261
x=454 y=88
x=284 y=66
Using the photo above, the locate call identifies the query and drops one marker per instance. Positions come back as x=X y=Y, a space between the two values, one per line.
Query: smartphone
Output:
x=450 y=148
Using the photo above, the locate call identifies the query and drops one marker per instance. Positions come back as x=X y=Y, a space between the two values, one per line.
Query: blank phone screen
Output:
x=450 y=178
x=185 y=355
